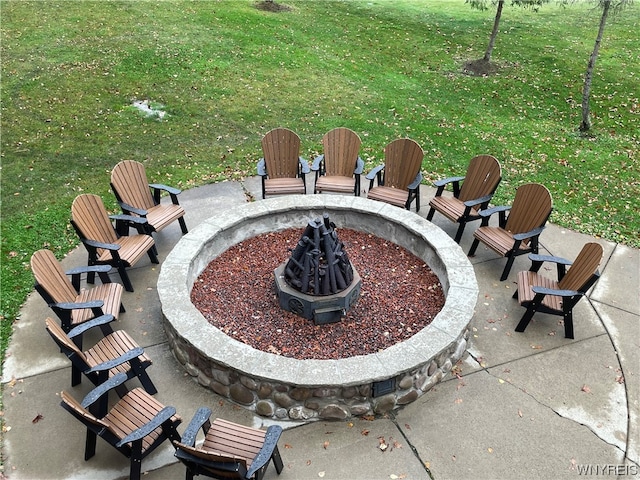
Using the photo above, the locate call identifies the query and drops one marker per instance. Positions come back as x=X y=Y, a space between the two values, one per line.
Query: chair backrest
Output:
x=62 y=339
x=402 y=162
x=51 y=277
x=281 y=150
x=482 y=178
x=341 y=148
x=582 y=269
x=91 y=218
x=129 y=183
x=77 y=410
x=530 y=209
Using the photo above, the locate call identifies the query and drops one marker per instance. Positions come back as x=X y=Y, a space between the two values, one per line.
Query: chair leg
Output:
x=526 y=318
x=568 y=324
x=153 y=255
x=136 y=460
x=146 y=382
x=474 y=246
x=90 y=445
x=183 y=225
x=459 y=232
x=124 y=276
x=277 y=460
x=507 y=268
x=430 y=214
x=76 y=376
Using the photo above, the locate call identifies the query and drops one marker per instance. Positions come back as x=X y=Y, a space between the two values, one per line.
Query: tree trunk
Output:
x=494 y=33
x=585 y=125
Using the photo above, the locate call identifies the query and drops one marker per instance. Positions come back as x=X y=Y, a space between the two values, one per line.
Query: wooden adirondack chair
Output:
x=558 y=297
x=339 y=168
x=104 y=246
x=115 y=353
x=282 y=168
x=72 y=305
x=229 y=450
x=519 y=232
x=135 y=426
x=133 y=192
x=478 y=186
x=399 y=177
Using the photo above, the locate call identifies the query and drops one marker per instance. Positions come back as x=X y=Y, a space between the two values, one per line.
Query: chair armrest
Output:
x=551 y=291
x=94 y=395
x=261 y=167
x=126 y=208
x=531 y=233
x=490 y=211
x=304 y=165
x=163 y=416
x=534 y=257
x=90 y=268
x=264 y=455
x=476 y=201
x=316 y=162
x=445 y=181
x=89 y=324
x=416 y=181
x=97 y=244
x=359 y=166
x=166 y=188
x=109 y=364
x=372 y=174
x=199 y=419
x=129 y=218
x=79 y=305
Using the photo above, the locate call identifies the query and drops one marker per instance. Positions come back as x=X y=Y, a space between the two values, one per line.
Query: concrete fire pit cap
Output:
x=407 y=229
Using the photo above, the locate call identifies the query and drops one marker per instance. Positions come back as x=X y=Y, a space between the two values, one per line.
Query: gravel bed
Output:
x=400 y=296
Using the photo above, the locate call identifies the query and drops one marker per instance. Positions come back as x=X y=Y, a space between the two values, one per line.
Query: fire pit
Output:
x=284 y=388
x=318 y=281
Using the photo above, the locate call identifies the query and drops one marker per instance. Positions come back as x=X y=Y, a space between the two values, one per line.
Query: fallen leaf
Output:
x=585 y=388
x=365 y=432
x=407 y=426
x=286 y=445
x=350 y=424
x=37 y=418
x=321 y=474
x=457 y=400
x=308 y=462
x=325 y=444
x=536 y=347
x=397 y=444
x=383 y=445
x=520 y=413
x=490 y=450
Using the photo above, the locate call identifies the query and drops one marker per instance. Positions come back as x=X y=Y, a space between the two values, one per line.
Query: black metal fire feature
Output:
x=318 y=281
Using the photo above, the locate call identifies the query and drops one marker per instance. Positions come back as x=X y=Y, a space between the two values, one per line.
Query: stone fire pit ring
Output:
x=285 y=388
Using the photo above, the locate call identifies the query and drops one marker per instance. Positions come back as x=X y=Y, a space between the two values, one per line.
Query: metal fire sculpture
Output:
x=319 y=265
x=318 y=281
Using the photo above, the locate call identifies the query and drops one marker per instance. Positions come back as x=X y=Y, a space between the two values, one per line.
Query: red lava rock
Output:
x=400 y=296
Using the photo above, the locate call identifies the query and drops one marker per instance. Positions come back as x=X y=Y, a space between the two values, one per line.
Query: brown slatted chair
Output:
x=517 y=233
x=541 y=294
x=104 y=246
x=135 y=426
x=339 y=168
x=229 y=450
x=72 y=305
x=133 y=192
x=478 y=186
x=399 y=177
x=115 y=353
x=282 y=168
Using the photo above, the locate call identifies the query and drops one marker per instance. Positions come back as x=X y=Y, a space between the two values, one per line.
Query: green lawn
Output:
x=226 y=72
